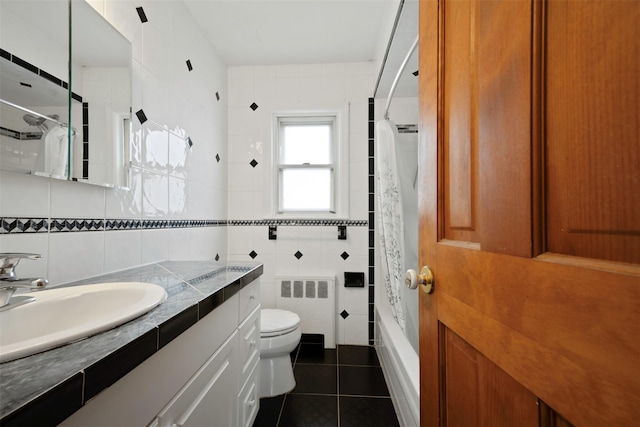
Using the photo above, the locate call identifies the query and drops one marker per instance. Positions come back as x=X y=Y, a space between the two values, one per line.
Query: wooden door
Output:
x=530 y=212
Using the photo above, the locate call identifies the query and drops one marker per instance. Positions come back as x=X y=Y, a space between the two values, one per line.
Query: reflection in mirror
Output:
x=33 y=69
x=101 y=72
x=35 y=112
x=41 y=148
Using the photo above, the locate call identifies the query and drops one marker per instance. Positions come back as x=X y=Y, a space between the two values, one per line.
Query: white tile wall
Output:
x=34 y=243
x=167 y=181
x=155 y=246
x=123 y=249
x=74 y=256
x=287 y=87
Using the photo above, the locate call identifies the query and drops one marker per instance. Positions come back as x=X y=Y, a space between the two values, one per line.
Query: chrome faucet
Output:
x=9 y=282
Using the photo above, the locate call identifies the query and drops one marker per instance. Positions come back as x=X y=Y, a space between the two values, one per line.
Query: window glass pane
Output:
x=306 y=190
x=306 y=144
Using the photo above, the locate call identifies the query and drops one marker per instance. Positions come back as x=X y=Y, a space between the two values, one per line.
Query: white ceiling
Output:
x=270 y=32
x=279 y=32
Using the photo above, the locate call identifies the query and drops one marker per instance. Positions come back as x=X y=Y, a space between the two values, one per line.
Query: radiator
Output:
x=314 y=300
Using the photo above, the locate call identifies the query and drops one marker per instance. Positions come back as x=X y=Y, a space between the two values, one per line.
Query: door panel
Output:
x=593 y=149
x=550 y=418
x=460 y=128
x=562 y=327
x=486 y=191
x=461 y=382
x=477 y=390
x=504 y=73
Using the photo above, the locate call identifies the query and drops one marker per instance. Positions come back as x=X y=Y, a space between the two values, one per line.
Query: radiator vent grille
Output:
x=304 y=289
x=313 y=299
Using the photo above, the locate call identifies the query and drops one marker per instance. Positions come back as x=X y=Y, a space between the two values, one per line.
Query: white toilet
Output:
x=279 y=336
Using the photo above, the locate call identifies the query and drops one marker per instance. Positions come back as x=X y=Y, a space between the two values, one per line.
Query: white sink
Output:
x=62 y=315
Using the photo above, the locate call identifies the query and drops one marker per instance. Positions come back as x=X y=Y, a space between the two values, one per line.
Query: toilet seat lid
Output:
x=275 y=322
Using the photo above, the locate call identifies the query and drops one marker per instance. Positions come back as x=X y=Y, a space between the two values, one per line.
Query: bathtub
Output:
x=400 y=366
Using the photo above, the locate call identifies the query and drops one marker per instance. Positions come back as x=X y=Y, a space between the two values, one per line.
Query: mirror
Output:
x=33 y=87
x=45 y=129
x=101 y=73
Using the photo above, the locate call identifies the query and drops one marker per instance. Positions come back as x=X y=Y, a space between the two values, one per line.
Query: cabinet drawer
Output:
x=208 y=396
x=248 y=400
x=249 y=346
x=249 y=298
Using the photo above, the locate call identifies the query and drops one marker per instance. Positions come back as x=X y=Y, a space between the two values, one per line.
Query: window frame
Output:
x=339 y=165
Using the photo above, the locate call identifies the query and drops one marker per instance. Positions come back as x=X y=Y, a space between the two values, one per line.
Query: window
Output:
x=310 y=158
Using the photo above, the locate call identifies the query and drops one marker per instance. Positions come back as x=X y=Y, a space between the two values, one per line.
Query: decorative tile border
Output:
x=207 y=276
x=55 y=225
x=300 y=222
x=214 y=273
x=23 y=225
x=62 y=225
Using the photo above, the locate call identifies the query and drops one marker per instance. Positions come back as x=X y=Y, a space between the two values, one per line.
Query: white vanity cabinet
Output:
x=207 y=376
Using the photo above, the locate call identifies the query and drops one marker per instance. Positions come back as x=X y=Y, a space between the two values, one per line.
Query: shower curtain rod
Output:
x=26 y=110
x=395 y=81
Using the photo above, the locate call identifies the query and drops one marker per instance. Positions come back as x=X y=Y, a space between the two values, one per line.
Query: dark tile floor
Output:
x=341 y=387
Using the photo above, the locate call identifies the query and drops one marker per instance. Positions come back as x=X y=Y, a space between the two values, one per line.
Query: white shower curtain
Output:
x=390 y=217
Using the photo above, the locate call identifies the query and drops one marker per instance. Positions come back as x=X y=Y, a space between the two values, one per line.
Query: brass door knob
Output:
x=425 y=279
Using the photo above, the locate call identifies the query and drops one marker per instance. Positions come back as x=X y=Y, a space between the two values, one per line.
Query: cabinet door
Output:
x=210 y=396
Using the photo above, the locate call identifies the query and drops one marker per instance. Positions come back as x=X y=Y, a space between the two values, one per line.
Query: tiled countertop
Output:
x=45 y=388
